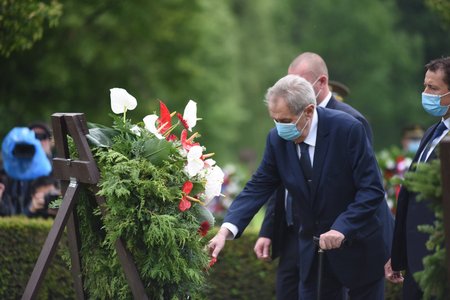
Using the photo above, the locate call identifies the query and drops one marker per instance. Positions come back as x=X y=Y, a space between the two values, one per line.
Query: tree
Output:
x=365 y=49
x=442 y=8
x=175 y=51
x=22 y=23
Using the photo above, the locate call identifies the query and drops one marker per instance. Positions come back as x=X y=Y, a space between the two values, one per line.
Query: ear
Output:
x=309 y=110
x=323 y=80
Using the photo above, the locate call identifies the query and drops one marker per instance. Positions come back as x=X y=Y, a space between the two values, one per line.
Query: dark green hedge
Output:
x=236 y=275
x=21 y=240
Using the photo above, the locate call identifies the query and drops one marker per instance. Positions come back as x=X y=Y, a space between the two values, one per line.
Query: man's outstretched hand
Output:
x=217 y=243
x=262 y=248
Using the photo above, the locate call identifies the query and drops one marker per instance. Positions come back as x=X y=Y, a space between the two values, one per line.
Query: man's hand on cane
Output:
x=331 y=240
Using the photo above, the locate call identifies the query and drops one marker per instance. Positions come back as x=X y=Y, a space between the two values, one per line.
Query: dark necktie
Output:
x=437 y=133
x=305 y=163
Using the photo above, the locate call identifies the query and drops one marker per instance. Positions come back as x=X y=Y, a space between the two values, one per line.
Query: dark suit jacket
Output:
x=408 y=248
x=274 y=225
x=346 y=195
x=335 y=104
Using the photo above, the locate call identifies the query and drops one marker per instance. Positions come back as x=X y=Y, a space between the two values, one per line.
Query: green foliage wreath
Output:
x=143 y=179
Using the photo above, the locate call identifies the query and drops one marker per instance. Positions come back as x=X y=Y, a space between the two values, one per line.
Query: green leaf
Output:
x=156 y=151
x=101 y=136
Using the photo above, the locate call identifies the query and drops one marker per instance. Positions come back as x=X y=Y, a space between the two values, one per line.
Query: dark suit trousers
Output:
x=332 y=289
x=288 y=269
x=411 y=289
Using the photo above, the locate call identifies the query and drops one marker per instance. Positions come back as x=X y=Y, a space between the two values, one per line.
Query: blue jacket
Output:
x=346 y=195
x=273 y=226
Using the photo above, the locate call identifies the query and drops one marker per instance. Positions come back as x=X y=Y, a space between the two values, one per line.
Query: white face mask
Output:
x=320 y=91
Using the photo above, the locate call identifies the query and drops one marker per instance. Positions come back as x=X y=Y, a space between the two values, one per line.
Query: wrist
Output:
x=224 y=232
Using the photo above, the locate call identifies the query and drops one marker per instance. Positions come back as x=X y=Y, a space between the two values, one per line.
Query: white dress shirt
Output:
x=436 y=141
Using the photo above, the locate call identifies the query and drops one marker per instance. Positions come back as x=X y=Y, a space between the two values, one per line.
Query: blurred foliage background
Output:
x=64 y=56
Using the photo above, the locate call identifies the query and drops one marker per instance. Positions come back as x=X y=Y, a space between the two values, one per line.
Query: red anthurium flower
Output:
x=187 y=143
x=185 y=204
x=183 y=121
x=204 y=227
x=172 y=138
x=165 y=120
x=212 y=261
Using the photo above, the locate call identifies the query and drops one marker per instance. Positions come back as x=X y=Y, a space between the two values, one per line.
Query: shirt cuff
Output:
x=232 y=228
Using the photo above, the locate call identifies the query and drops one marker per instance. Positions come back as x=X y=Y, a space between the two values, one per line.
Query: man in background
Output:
x=409 y=245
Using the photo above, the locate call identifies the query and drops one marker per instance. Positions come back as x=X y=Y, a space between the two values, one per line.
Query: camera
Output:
x=24 y=151
x=50 y=197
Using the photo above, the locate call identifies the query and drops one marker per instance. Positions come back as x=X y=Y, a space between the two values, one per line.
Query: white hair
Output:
x=295 y=90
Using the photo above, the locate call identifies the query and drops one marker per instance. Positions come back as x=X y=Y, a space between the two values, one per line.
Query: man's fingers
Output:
x=262 y=248
x=331 y=240
x=266 y=250
x=258 y=251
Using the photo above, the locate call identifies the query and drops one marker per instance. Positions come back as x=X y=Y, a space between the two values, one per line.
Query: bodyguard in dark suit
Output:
x=322 y=157
x=409 y=248
x=275 y=231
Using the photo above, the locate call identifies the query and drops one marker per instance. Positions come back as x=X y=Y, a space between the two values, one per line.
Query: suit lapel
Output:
x=426 y=138
x=320 y=152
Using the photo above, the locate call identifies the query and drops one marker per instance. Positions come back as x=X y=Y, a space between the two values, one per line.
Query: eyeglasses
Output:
x=42 y=136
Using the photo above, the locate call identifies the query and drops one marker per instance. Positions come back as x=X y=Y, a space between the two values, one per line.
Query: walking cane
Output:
x=320 y=253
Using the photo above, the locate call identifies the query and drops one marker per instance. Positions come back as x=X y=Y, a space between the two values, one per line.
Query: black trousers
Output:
x=332 y=288
x=411 y=289
x=288 y=268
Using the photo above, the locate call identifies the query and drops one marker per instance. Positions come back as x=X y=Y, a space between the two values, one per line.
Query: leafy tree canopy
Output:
x=22 y=23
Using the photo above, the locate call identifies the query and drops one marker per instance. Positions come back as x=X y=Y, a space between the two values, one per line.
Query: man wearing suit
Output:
x=276 y=231
x=408 y=247
x=322 y=157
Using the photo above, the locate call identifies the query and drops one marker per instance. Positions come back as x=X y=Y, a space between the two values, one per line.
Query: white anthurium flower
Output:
x=195 y=163
x=121 y=101
x=150 y=122
x=210 y=162
x=214 y=180
x=390 y=164
x=190 y=114
x=136 y=130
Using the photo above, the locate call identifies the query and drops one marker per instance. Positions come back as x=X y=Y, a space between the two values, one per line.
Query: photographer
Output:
x=43 y=191
x=27 y=170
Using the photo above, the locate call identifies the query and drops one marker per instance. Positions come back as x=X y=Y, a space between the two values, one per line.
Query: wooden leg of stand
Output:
x=73 y=236
x=51 y=242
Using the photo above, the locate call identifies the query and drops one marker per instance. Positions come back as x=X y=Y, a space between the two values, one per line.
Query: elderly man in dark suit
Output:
x=277 y=231
x=408 y=249
x=324 y=160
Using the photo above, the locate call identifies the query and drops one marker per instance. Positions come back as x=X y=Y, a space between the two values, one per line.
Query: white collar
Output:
x=325 y=101
x=312 y=135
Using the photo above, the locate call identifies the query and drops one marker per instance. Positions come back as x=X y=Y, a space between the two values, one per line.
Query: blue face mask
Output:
x=413 y=146
x=432 y=104
x=289 y=131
